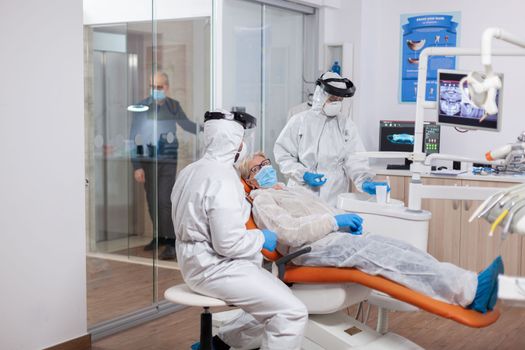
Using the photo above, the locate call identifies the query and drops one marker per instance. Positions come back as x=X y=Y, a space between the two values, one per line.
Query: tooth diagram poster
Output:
x=417 y=33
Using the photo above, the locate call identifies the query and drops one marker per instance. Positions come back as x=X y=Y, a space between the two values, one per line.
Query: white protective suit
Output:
x=220 y=258
x=300 y=218
x=314 y=142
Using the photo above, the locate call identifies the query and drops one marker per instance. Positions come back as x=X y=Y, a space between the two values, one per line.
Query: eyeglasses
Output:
x=157 y=87
x=255 y=169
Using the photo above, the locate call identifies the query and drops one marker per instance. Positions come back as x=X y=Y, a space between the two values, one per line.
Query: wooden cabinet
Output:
x=453 y=239
x=477 y=249
x=445 y=225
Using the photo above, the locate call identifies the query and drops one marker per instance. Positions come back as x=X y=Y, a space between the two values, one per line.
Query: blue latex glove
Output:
x=270 y=240
x=351 y=221
x=370 y=186
x=314 y=180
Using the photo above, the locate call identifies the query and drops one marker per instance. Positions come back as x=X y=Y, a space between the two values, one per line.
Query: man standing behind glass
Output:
x=156 y=162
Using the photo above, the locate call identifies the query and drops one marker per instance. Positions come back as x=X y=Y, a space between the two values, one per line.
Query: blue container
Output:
x=336 y=68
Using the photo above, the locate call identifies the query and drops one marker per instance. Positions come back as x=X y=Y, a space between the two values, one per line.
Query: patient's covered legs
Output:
x=487 y=290
x=397 y=261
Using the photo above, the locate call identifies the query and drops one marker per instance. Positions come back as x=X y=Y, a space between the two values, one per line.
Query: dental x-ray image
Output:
x=455 y=106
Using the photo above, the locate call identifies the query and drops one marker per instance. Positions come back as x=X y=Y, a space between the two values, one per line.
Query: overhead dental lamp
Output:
x=483 y=91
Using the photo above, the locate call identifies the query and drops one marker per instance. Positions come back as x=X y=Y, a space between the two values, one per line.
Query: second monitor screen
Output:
x=398 y=136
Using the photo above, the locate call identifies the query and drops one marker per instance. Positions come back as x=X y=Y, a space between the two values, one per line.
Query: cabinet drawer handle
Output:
x=467 y=205
x=455 y=204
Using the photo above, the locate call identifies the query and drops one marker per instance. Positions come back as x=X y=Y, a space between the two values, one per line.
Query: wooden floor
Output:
x=178 y=331
x=116 y=288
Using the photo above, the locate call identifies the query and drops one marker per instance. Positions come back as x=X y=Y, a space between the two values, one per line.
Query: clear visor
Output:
x=248 y=142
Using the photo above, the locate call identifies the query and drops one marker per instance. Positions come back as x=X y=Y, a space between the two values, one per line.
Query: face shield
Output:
x=248 y=143
x=331 y=94
x=336 y=86
x=246 y=120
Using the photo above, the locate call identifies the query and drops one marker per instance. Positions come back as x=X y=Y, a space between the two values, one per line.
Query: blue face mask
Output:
x=158 y=94
x=266 y=177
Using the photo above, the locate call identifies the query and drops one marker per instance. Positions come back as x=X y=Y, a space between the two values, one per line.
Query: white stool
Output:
x=182 y=294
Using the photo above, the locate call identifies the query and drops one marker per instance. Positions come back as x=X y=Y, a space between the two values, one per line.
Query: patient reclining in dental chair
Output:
x=299 y=218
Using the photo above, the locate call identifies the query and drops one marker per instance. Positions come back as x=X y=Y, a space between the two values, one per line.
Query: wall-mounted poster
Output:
x=417 y=33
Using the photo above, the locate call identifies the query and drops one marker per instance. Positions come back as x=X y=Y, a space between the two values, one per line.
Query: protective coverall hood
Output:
x=222 y=139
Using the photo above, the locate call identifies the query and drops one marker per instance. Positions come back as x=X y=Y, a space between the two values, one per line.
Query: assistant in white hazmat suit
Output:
x=300 y=218
x=323 y=141
x=218 y=257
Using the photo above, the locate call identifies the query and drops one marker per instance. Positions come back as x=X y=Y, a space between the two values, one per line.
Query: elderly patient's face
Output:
x=255 y=165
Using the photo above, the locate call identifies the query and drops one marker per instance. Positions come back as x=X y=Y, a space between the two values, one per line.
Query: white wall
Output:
x=379 y=67
x=42 y=240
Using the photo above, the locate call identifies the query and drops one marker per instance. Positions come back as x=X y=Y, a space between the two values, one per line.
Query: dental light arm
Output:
x=440 y=156
x=486 y=44
x=386 y=155
x=483 y=88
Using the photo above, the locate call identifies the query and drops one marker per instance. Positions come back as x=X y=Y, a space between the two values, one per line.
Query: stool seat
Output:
x=182 y=294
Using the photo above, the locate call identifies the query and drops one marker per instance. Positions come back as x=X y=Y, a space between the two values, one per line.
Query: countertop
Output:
x=463 y=176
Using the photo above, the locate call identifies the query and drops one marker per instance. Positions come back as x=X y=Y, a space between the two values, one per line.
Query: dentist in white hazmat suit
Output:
x=219 y=257
x=316 y=149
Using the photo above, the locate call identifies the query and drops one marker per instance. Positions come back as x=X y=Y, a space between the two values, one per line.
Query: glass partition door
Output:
x=147 y=88
x=118 y=70
x=262 y=64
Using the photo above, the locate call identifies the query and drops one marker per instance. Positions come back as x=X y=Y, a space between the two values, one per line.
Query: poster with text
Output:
x=417 y=33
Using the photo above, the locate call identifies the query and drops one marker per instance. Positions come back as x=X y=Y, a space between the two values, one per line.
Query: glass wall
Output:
x=148 y=76
x=147 y=84
x=263 y=64
x=282 y=71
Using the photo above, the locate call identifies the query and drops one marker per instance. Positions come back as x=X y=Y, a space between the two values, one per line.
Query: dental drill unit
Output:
x=512 y=154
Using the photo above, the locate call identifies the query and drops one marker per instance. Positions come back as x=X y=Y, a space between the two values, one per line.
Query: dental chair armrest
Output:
x=281 y=262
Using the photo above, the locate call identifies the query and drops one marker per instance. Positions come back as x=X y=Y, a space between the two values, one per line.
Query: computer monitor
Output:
x=398 y=136
x=455 y=108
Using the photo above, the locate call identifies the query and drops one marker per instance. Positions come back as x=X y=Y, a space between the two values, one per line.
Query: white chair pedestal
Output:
x=182 y=294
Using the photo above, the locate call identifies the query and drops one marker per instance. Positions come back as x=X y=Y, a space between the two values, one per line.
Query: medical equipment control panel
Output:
x=398 y=136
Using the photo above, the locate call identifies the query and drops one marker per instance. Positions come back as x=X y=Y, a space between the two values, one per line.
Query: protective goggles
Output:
x=349 y=91
x=246 y=120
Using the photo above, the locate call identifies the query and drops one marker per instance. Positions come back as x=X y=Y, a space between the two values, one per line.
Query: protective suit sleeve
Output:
x=286 y=149
x=357 y=167
x=228 y=232
x=291 y=231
